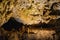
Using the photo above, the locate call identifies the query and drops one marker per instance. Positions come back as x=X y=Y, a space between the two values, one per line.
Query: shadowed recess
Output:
x=12 y=24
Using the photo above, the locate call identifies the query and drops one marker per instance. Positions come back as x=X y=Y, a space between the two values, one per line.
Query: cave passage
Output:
x=12 y=24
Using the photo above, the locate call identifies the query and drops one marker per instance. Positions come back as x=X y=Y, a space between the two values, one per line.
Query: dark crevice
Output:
x=54 y=4
x=48 y=0
x=42 y=25
x=1 y=0
x=12 y=24
x=57 y=12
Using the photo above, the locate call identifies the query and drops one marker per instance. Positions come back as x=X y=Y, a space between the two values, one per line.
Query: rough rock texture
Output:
x=34 y=11
x=29 y=19
x=5 y=10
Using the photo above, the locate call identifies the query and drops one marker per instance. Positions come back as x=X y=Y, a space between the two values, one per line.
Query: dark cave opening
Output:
x=12 y=24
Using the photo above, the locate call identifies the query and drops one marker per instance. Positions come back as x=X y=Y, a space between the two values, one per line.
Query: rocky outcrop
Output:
x=32 y=11
x=29 y=19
